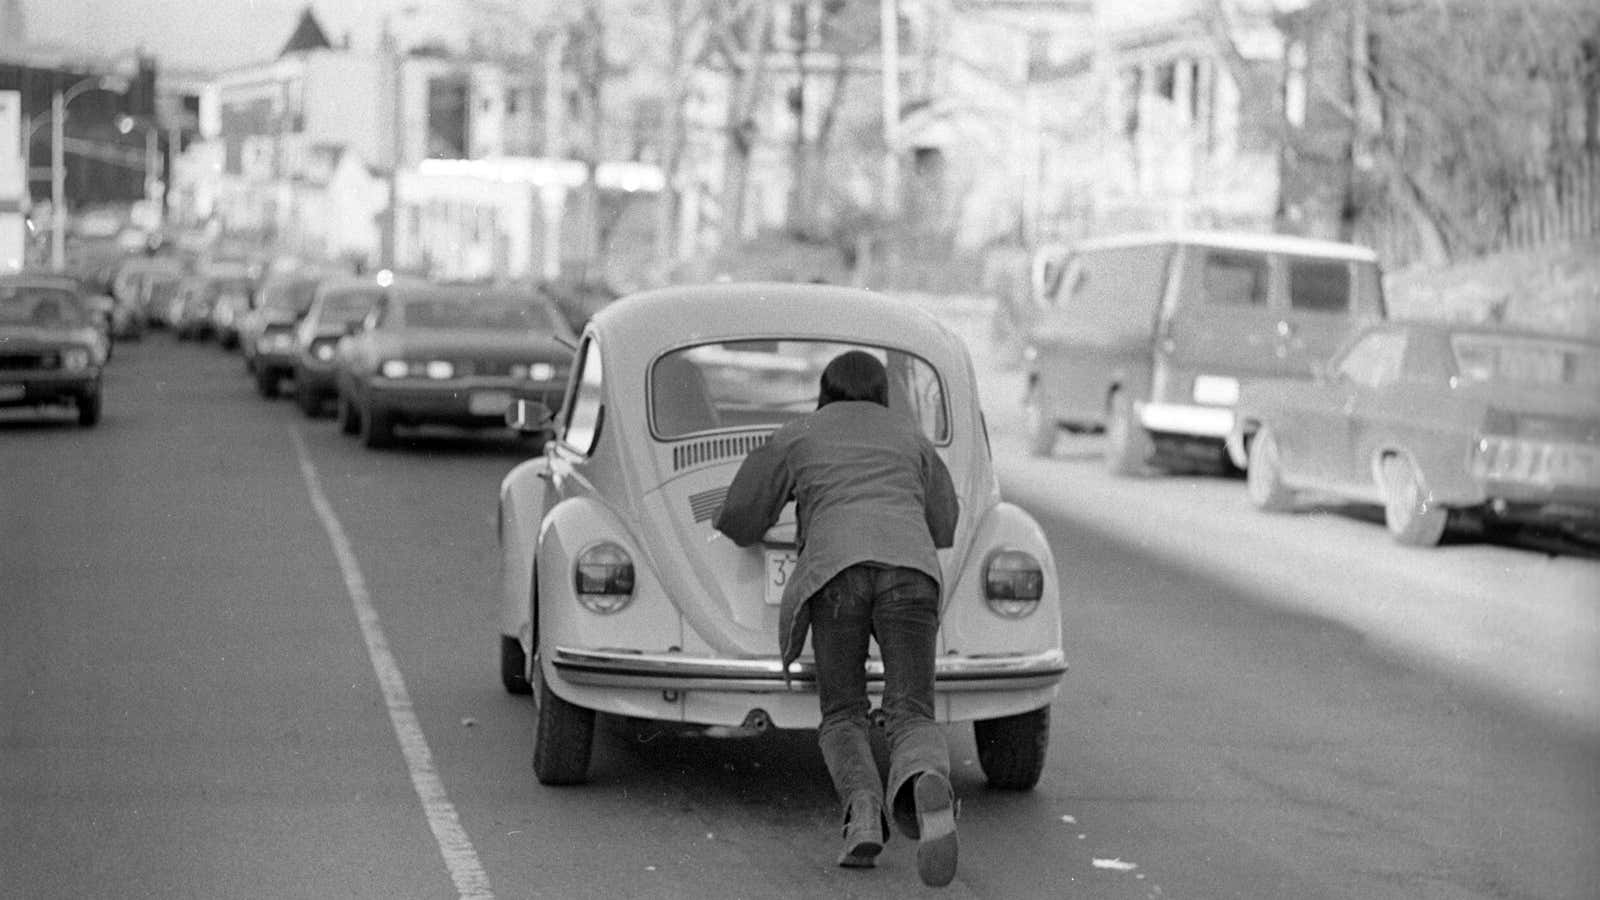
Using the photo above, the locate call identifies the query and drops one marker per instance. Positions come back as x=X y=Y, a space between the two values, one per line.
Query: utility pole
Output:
x=889 y=43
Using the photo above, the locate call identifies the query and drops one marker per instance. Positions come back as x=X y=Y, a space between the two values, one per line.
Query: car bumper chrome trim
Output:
x=674 y=671
x=1177 y=418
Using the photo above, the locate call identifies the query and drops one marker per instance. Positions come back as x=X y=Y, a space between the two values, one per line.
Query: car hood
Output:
x=27 y=337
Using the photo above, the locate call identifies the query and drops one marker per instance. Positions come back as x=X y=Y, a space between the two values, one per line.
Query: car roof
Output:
x=675 y=316
x=1234 y=240
x=1450 y=327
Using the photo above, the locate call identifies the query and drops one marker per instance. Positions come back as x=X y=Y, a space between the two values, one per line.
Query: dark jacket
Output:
x=868 y=486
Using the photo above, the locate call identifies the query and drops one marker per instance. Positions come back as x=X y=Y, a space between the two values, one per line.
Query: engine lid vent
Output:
x=694 y=453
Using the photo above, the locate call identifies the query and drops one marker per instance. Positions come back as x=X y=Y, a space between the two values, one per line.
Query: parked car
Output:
x=191 y=314
x=236 y=289
x=51 y=351
x=617 y=596
x=339 y=304
x=430 y=354
x=132 y=281
x=1437 y=422
x=1149 y=336
x=266 y=335
x=156 y=291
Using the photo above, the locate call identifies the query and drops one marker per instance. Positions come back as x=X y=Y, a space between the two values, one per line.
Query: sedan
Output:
x=617 y=595
x=1437 y=422
x=266 y=334
x=51 y=352
x=337 y=306
x=453 y=355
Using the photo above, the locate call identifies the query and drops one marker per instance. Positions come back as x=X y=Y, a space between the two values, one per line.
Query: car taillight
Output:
x=1013 y=582
x=603 y=577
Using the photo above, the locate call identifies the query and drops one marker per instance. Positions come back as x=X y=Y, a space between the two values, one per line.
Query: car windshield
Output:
x=46 y=307
x=349 y=305
x=478 y=313
x=289 y=295
x=754 y=383
x=1523 y=360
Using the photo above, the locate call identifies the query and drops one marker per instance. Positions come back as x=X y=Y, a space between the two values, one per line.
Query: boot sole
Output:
x=936 y=823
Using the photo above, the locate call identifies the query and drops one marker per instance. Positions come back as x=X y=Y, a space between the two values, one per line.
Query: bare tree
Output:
x=741 y=42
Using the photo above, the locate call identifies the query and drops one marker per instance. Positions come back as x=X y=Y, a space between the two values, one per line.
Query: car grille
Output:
x=695 y=453
x=19 y=362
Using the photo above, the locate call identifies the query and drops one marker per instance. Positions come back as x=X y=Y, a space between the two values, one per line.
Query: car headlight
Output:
x=75 y=359
x=1013 y=582
x=439 y=369
x=394 y=368
x=323 y=352
x=1215 y=390
x=603 y=577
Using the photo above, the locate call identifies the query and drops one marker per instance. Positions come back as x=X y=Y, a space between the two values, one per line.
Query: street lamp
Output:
x=58 y=158
x=152 y=158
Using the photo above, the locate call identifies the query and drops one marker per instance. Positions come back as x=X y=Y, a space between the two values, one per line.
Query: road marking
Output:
x=472 y=883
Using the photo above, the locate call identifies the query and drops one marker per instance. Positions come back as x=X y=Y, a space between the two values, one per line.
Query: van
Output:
x=1147 y=337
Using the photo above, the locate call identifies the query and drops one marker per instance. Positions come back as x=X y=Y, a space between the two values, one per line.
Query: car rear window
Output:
x=1234 y=279
x=753 y=383
x=1319 y=285
x=42 y=306
x=350 y=304
x=293 y=295
x=496 y=314
x=1522 y=360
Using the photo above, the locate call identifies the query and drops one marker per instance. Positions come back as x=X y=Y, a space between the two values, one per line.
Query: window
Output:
x=1234 y=279
x=1317 y=285
x=1375 y=360
x=582 y=427
x=1505 y=359
x=752 y=384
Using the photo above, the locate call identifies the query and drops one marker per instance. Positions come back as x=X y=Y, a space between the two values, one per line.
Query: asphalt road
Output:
x=240 y=656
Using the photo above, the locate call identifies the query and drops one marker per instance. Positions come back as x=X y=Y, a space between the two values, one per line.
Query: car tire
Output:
x=376 y=428
x=1128 y=446
x=1263 y=477
x=563 y=739
x=89 y=410
x=1411 y=518
x=1011 y=749
x=349 y=419
x=1043 y=433
x=307 y=399
x=266 y=382
x=514 y=666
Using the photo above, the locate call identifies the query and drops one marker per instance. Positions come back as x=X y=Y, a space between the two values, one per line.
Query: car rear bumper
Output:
x=676 y=672
x=1187 y=419
x=471 y=404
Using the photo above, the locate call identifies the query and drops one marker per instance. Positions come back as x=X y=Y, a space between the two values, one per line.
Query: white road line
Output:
x=472 y=883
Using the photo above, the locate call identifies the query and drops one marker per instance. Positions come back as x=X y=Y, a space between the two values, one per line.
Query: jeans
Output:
x=899 y=607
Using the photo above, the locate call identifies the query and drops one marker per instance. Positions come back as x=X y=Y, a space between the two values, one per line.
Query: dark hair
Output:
x=854 y=375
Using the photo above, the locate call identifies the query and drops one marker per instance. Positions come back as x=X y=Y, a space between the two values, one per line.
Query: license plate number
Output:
x=780 y=568
x=12 y=391
x=488 y=403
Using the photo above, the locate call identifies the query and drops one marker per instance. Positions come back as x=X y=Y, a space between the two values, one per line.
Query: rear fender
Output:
x=968 y=625
x=524 y=495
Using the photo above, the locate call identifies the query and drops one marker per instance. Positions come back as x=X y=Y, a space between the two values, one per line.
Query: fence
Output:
x=1553 y=208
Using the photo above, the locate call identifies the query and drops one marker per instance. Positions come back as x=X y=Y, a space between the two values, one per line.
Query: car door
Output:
x=1370 y=408
x=579 y=424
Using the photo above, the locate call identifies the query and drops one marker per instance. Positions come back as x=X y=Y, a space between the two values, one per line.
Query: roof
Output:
x=681 y=315
x=1235 y=240
x=308 y=35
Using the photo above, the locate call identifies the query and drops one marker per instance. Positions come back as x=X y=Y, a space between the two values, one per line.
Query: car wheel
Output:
x=377 y=431
x=349 y=419
x=1011 y=749
x=307 y=399
x=1263 y=479
x=514 y=666
x=89 y=410
x=1042 y=430
x=1128 y=445
x=266 y=382
x=1413 y=519
x=562 y=740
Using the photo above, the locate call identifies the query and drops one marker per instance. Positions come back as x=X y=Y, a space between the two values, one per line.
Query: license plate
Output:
x=780 y=568
x=488 y=403
x=12 y=391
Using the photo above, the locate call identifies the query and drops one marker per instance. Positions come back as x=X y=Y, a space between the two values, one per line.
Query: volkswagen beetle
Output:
x=618 y=597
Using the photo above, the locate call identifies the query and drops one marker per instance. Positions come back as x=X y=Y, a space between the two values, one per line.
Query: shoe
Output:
x=864 y=834
x=936 y=829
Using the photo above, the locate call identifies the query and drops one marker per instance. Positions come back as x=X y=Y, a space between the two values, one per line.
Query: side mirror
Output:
x=529 y=416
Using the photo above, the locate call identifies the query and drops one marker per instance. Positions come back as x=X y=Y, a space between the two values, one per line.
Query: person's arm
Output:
x=755 y=499
x=941 y=508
